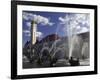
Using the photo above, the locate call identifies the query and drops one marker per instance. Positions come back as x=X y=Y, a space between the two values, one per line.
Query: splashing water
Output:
x=71 y=32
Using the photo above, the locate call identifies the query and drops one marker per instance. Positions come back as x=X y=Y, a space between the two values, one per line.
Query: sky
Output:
x=63 y=24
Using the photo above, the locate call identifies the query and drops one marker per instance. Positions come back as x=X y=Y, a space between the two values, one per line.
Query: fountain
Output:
x=71 y=31
x=74 y=45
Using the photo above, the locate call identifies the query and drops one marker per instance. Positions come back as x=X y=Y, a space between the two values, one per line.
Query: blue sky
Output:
x=48 y=23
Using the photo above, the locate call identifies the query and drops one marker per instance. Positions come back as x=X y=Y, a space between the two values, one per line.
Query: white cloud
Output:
x=77 y=23
x=25 y=16
x=39 y=34
x=78 y=27
x=83 y=30
x=26 y=32
x=51 y=24
x=62 y=20
x=28 y=24
x=38 y=18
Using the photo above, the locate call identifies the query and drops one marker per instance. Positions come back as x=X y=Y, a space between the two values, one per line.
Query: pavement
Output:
x=59 y=63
